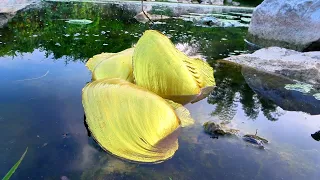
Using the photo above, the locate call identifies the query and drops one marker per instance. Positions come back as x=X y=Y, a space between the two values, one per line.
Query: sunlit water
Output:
x=42 y=74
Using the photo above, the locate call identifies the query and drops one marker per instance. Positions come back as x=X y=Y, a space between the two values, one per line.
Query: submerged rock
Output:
x=263 y=140
x=303 y=67
x=213 y=128
x=255 y=140
x=292 y=24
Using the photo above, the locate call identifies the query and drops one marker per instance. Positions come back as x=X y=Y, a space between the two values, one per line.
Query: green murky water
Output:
x=42 y=73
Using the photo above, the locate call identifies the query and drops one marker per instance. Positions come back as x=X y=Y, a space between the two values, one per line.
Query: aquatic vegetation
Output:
x=79 y=21
x=159 y=67
x=15 y=167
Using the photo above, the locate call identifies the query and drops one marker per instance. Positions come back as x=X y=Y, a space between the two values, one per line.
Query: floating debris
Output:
x=79 y=21
x=300 y=87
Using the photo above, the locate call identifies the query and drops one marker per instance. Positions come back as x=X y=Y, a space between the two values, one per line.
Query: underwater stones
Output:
x=291 y=24
x=255 y=140
x=216 y=130
x=213 y=128
x=304 y=67
x=256 y=137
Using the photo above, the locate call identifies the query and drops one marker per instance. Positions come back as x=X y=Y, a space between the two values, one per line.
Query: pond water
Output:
x=42 y=73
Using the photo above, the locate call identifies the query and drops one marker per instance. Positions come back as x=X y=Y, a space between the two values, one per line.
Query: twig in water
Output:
x=34 y=78
x=145 y=13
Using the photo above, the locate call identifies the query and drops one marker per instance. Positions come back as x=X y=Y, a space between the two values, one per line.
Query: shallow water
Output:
x=42 y=74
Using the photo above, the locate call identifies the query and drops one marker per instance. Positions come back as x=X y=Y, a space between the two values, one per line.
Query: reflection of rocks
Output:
x=272 y=87
x=4 y=18
x=293 y=24
x=304 y=67
x=9 y=8
x=316 y=136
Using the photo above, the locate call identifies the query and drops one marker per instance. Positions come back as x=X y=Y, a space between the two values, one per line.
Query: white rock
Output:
x=296 y=22
x=293 y=64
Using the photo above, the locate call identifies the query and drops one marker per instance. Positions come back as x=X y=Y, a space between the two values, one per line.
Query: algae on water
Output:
x=300 y=87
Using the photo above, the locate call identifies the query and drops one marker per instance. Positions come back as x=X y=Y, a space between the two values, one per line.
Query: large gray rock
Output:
x=293 y=24
x=304 y=67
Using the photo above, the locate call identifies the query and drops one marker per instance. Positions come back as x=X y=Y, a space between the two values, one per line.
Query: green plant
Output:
x=13 y=169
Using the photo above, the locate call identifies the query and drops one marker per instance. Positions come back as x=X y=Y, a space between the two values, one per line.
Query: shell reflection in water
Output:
x=141 y=122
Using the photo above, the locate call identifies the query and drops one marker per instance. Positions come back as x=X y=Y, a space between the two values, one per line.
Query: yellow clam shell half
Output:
x=129 y=121
x=161 y=68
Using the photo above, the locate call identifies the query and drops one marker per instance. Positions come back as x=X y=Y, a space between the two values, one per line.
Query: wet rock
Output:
x=276 y=88
x=316 y=136
x=295 y=65
x=216 y=129
x=291 y=24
